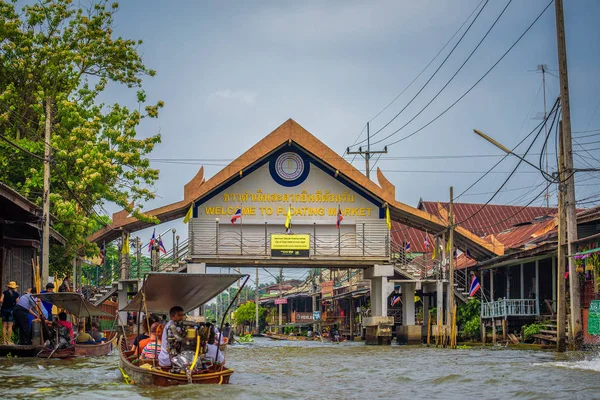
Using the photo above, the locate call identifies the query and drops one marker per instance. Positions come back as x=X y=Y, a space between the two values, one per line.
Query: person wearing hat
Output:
x=48 y=306
x=8 y=300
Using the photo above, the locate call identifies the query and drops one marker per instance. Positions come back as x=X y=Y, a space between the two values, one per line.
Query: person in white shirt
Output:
x=175 y=315
x=211 y=350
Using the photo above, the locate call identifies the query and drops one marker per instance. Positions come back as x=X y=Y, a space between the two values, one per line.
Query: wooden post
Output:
x=569 y=199
x=256 y=298
x=504 y=329
x=493 y=331
x=483 y=333
x=561 y=311
x=46 y=196
x=429 y=329
x=451 y=303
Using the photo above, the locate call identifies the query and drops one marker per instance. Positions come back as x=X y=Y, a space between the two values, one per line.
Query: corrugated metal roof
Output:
x=492 y=219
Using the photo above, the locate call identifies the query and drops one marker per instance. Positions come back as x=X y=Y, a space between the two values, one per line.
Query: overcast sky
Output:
x=232 y=72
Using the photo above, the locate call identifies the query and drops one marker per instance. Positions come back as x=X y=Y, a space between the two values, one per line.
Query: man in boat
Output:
x=176 y=315
x=8 y=301
x=96 y=334
x=48 y=306
x=82 y=336
x=24 y=307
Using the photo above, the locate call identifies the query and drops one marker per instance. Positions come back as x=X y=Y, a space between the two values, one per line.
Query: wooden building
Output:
x=20 y=237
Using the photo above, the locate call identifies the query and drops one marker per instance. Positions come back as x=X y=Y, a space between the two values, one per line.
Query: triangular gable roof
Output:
x=286 y=134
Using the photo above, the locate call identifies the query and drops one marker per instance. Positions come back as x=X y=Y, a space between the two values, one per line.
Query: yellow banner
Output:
x=290 y=242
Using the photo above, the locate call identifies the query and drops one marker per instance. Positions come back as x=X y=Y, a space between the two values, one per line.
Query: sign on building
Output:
x=283 y=245
x=280 y=301
x=594 y=318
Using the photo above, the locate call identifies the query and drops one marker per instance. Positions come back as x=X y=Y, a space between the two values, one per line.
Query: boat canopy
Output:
x=163 y=290
x=74 y=303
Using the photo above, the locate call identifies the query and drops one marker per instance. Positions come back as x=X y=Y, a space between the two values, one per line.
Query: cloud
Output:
x=245 y=97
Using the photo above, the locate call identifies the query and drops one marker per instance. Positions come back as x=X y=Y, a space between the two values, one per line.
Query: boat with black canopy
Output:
x=188 y=343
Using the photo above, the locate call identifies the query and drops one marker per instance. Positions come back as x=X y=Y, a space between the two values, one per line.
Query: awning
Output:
x=74 y=303
x=164 y=290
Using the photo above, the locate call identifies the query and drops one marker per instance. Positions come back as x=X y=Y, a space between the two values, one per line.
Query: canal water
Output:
x=301 y=370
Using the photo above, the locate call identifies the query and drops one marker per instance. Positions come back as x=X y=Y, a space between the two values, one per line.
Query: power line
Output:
x=449 y=81
x=430 y=62
x=435 y=72
x=472 y=87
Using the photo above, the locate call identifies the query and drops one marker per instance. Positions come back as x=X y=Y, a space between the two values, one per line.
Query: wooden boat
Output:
x=279 y=336
x=161 y=291
x=77 y=305
x=147 y=374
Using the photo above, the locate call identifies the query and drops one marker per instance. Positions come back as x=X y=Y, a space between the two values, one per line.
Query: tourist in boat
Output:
x=8 y=301
x=96 y=334
x=62 y=321
x=152 y=345
x=176 y=315
x=136 y=347
x=82 y=336
x=142 y=344
x=25 y=306
x=46 y=305
x=211 y=349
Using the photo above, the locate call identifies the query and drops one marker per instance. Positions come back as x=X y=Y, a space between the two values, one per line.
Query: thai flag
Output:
x=395 y=300
x=237 y=215
x=340 y=218
x=426 y=243
x=475 y=286
x=102 y=254
x=152 y=241
x=469 y=254
x=407 y=247
x=161 y=246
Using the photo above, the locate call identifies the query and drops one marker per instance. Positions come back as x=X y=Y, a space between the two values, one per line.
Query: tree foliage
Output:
x=54 y=52
x=246 y=313
x=468 y=318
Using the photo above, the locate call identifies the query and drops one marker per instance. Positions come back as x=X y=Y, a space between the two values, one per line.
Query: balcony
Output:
x=510 y=308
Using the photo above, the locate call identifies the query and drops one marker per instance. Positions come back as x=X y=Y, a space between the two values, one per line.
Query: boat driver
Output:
x=175 y=315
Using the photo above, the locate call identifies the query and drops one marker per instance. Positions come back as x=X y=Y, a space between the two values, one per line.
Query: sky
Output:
x=232 y=72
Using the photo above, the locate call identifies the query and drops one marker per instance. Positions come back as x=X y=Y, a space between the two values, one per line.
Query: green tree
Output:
x=52 y=52
x=468 y=319
x=246 y=314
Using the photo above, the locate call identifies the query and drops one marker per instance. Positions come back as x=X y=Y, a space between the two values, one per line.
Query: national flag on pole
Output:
x=475 y=286
x=434 y=252
x=455 y=254
x=340 y=218
x=407 y=247
x=288 y=221
x=426 y=243
x=102 y=253
x=468 y=254
x=189 y=214
x=161 y=246
x=388 y=220
x=395 y=300
x=125 y=248
x=152 y=241
x=237 y=215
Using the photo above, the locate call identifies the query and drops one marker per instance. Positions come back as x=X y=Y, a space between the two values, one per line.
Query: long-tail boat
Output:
x=160 y=292
x=78 y=306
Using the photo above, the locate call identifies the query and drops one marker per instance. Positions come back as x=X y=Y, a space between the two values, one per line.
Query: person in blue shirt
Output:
x=48 y=306
x=25 y=305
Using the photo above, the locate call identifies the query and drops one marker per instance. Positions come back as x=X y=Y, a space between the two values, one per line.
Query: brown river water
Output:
x=299 y=370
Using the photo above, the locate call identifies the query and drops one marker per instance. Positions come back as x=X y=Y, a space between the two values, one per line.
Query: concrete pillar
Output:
x=440 y=308
x=379 y=325
x=408 y=303
x=408 y=332
x=122 y=290
x=199 y=268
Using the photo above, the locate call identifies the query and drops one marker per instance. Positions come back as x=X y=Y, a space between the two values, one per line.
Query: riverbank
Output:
x=270 y=369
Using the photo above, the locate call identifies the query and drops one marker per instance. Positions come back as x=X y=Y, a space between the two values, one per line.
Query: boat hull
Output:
x=143 y=376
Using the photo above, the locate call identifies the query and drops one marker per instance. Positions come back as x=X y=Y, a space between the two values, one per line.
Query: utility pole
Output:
x=280 y=296
x=46 y=206
x=367 y=153
x=451 y=267
x=256 y=301
x=561 y=296
x=138 y=256
x=576 y=326
x=543 y=68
